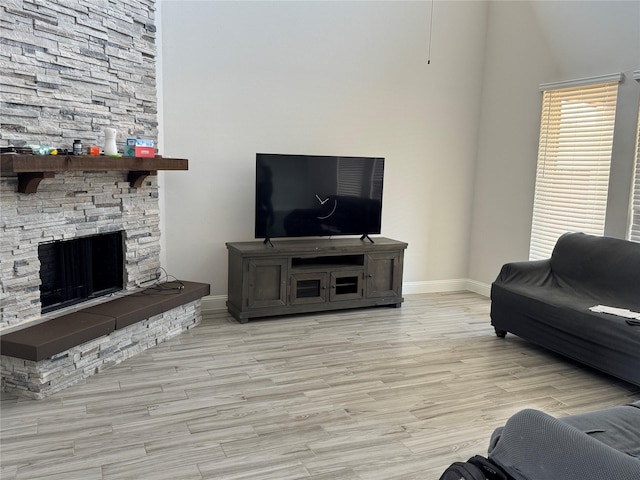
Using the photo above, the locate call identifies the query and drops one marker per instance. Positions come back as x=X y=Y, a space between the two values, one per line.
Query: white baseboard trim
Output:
x=434 y=286
x=479 y=287
x=454 y=285
x=217 y=303
x=214 y=303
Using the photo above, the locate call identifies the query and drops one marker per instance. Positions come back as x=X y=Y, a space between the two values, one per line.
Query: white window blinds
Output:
x=574 y=158
x=634 y=230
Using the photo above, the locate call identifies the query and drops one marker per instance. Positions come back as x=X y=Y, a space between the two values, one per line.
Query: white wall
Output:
x=530 y=43
x=516 y=60
x=350 y=78
x=343 y=78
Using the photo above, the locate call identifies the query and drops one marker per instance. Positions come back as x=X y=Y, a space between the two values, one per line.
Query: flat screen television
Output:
x=315 y=195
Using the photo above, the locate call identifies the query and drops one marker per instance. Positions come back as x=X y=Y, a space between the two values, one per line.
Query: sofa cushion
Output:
x=560 y=322
x=567 y=311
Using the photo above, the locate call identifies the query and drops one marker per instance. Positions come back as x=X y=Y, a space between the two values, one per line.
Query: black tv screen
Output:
x=314 y=195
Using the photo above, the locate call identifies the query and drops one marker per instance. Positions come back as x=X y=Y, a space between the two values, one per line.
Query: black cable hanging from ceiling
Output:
x=430 y=31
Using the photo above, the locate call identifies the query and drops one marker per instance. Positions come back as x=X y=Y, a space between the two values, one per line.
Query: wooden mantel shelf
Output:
x=32 y=169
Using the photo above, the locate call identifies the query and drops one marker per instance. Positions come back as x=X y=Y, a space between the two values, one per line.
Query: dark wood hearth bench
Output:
x=59 y=334
x=45 y=342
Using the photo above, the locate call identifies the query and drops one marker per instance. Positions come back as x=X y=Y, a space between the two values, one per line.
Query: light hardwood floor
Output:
x=375 y=394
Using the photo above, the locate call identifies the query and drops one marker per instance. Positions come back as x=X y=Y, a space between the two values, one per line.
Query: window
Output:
x=574 y=158
x=634 y=229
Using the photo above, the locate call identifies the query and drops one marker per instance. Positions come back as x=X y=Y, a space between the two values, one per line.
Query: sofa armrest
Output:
x=535 y=446
x=535 y=272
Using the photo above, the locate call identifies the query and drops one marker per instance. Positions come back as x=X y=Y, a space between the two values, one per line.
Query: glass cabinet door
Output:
x=346 y=285
x=308 y=288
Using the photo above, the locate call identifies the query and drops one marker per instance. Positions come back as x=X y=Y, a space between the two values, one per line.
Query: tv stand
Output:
x=313 y=275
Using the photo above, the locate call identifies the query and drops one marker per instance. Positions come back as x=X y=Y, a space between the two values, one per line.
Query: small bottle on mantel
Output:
x=77 y=147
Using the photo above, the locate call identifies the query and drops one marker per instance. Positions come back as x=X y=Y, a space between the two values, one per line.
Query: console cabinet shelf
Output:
x=300 y=276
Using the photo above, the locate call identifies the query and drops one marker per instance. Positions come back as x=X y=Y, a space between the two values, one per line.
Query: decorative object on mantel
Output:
x=110 y=147
x=77 y=147
x=139 y=147
x=13 y=150
x=32 y=169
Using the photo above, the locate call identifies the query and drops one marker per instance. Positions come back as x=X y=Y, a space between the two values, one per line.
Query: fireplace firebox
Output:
x=76 y=270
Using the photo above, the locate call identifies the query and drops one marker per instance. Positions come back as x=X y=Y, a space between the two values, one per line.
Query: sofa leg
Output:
x=500 y=333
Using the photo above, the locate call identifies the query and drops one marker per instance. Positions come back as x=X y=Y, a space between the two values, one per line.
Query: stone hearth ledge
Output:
x=115 y=332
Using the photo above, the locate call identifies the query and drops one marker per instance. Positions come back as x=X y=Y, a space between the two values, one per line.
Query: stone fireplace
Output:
x=72 y=69
x=72 y=205
x=57 y=227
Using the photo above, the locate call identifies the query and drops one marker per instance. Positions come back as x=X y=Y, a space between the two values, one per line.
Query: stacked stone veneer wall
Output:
x=41 y=379
x=71 y=205
x=72 y=68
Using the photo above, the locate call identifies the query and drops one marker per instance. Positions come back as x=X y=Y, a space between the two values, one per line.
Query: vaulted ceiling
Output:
x=583 y=34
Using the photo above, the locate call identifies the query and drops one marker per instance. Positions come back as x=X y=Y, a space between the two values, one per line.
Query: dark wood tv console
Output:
x=300 y=276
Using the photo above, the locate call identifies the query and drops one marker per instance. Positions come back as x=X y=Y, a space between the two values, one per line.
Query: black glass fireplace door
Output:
x=75 y=270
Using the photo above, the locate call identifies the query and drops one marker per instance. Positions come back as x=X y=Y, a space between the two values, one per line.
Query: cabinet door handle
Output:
x=370 y=275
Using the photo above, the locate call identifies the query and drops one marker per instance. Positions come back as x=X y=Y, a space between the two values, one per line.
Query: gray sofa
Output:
x=600 y=445
x=548 y=302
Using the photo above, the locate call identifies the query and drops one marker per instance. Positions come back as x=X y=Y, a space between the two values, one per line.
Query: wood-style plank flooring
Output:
x=376 y=394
